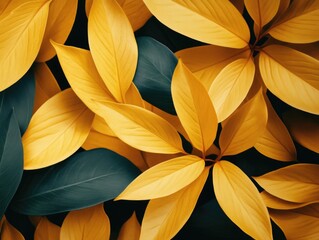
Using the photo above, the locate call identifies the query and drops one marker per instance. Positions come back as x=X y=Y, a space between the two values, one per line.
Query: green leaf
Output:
x=83 y=180
x=11 y=159
x=19 y=96
x=153 y=76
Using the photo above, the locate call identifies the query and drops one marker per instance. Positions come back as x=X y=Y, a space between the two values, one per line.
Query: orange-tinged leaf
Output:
x=304 y=128
x=240 y=200
x=98 y=140
x=113 y=46
x=60 y=21
x=99 y=125
x=215 y=22
x=207 y=61
x=131 y=229
x=292 y=76
x=88 y=5
x=141 y=128
x=239 y=4
x=86 y=224
x=56 y=130
x=262 y=11
x=283 y=6
x=1 y=221
x=35 y=220
x=7 y=6
x=79 y=69
x=296 y=183
x=8 y=232
x=275 y=142
x=194 y=108
x=153 y=159
x=46 y=85
x=243 y=128
x=21 y=34
x=164 y=179
x=46 y=230
x=164 y=217
x=299 y=24
x=231 y=86
x=296 y=225
x=134 y=97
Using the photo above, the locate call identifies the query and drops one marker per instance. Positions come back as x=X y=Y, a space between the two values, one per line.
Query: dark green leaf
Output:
x=20 y=97
x=11 y=159
x=155 y=67
x=83 y=180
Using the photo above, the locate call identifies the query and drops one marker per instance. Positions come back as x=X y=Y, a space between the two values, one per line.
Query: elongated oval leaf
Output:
x=46 y=85
x=20 y=97
x=164 y=217
x=295 y=183
x=79 y=69
x=244 y=127
x=21 y=34
x=46 y=230
x=155 y=67
x=304 y=128
x=240 y=200
x=86 y=224
x=299 y=24
x=275 y=142
x=56 y=130
x=11 y=158
x=141 y=128
x=231 y=86
x=85 y=179
x=194 y=108
x=113 y=46
x=131 y=229
x=215 y=22
x=10 y=232
x=164 y=179
x=292 y=76
x=60 y=21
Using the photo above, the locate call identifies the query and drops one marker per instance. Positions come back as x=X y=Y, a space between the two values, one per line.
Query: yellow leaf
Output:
x=98 y=140
x=283 y=6
x=86 y=224
x=79 y=69
x=304 y=128
x=299 y=24
x=7 y=6
x=231 y=86
x=296 y=183
x=292 y=76
x=56 y=130
x=131 y=229
x=60 y=21
x=296 y=225
x=240 y=200
x=239 y=4
x=141 y=128
x=278 y=203
x=275 y=142
x=88 y=5
x=21 y=34
x=164 y=179
x=153 y=159
x=46 y=85
x=262 y=11
x=134 y=97
x=242 y=129
x=194 y=108
x=164 y=217
x=215 y=22
x=113 y=46
x=8 y=232
x=99 y=125
x=46 y=230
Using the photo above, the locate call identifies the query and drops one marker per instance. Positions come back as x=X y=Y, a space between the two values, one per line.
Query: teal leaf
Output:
x=153 y=76
x=85 y=179
x=11 y=159
x=19 y=97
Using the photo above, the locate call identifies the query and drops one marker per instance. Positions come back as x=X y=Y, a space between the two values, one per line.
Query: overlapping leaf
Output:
x=240 y=200
x=21 y=34
x=164 y=217
x=164 y=179
x=46 y=230
x=215 y=22
x=295 y=183
x=10 y=232
x=113 y=46
x=131 y=229
x=56 y=130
